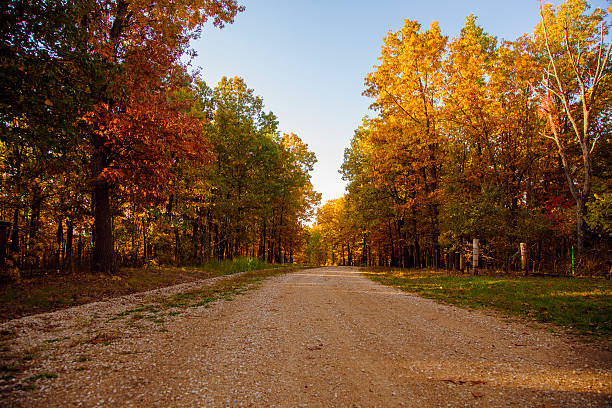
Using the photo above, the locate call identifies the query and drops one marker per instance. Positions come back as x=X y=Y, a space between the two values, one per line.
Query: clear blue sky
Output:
x=308 y=59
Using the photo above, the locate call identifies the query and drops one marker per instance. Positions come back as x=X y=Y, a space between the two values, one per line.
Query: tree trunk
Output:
x=580 y=224
x=177 y=251
x=103 y=254
x=60 y=241
x=350 y=254
x=144 y=240
x=80 y=248
x=34 y=226
x=69 y=239
x=14 y=247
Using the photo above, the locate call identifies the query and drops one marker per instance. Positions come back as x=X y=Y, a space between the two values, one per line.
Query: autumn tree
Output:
x=251 y=199
x=453 y=152
x=407 y=89
x=44 y=70
x=575 y=92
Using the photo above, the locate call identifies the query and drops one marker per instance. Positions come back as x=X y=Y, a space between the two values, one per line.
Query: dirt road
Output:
x=327 y=337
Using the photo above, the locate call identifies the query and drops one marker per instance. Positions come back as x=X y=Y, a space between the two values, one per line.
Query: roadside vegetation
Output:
x=56 y=291
x=581 y=305
x=225 y=289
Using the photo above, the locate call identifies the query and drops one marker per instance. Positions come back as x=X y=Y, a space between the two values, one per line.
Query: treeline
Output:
x=112 y=153
x=505 y=142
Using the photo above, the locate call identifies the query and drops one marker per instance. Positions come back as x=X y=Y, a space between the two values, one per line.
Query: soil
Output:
x=315 y=338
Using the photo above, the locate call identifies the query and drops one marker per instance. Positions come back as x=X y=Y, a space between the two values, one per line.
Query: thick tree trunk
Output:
x=103 y=253
x=103 y=257
x=350 y=254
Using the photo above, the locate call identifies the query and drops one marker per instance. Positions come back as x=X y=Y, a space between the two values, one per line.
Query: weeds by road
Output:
x=57 y=291
x=581 y=304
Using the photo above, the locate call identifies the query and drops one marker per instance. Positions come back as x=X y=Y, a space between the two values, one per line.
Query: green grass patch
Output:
x=139 y=311
x=28 y=356
x=226 y=290
x=236 y=265
x=43 y=376
x=581 y=304
x=82 y=358
x=51 y=341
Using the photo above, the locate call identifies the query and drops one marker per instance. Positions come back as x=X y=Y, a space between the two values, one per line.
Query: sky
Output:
x=308 y=59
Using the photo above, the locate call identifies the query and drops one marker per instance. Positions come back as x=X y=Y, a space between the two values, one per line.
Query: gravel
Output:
x=316 y=338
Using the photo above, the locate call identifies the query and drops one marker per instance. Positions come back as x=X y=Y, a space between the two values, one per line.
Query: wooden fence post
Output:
x=475 y=254
x=524 y=267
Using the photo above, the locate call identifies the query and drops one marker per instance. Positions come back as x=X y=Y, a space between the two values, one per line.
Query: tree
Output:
x=575 y=91
x=135 y=120
x=44 y=62
x=407 y=87
x=454 y=154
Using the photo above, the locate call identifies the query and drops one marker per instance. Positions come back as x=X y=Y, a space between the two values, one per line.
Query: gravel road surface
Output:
x=324 y=337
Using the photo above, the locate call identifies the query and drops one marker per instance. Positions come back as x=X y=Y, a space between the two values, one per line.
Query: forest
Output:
x=164 y=240
x=114 y=152
x=506 y=142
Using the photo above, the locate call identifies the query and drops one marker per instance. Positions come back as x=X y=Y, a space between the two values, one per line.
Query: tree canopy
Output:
x=479 y=138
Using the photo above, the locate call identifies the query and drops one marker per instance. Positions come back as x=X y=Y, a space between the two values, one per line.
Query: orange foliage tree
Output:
x=138 y=128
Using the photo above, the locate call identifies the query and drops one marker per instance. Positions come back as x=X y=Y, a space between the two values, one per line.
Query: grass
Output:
x=28 y=356
x=237 y=265
x=51 y=341
x=222 y=290
x=43 y=376
x=82 y=358
x=9 y=368
x=581 y=304
x=57 y=290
